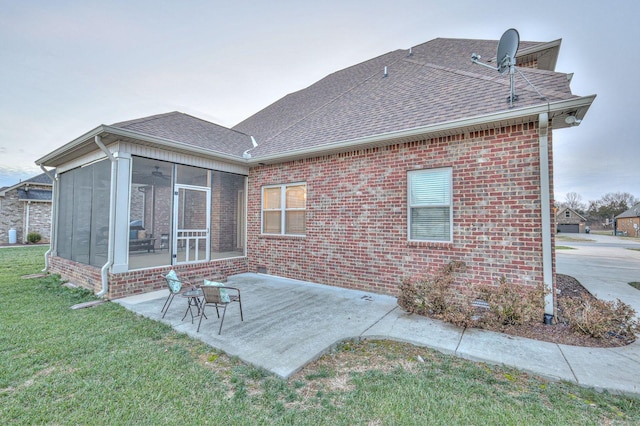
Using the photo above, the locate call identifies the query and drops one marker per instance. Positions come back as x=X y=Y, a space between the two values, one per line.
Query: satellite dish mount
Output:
x=505 y=58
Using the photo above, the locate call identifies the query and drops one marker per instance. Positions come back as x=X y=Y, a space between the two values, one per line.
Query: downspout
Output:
x=26 y=222
x=545 y=199
x=104 y=272
x=54 y=217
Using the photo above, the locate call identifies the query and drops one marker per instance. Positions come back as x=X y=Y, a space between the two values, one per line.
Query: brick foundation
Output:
x=144 y=280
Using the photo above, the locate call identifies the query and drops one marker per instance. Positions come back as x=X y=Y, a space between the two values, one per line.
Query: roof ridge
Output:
x=211 y=122
x=496 y=79
x=342 y=94
x=167 y=114
x=144 y=119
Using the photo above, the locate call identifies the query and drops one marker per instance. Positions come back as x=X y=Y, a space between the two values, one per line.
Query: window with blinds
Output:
x=430 y=211
x=284 y=209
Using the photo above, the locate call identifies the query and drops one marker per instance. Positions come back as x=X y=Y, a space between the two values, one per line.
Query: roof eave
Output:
x=552 y=46
x=85 y=143
x=4 y=191
x=558 y=111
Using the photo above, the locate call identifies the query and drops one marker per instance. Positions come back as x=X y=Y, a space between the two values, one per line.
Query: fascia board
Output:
x=580 y=103
x=173 y=145
x=18 y=185
x=73 y=145
x=103 y=130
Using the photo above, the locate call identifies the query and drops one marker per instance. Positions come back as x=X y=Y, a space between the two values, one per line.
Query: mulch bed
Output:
x=561 y=333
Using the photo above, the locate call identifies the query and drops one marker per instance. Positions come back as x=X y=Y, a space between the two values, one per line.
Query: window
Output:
x=567 y=214
x=430 y=212
x=284 y=209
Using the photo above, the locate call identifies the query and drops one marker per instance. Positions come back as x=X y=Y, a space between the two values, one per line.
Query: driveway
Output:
x=604 y=265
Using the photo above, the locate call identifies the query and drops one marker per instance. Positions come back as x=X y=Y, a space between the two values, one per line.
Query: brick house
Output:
x=385 y=169
x=26 y=207
x=570 y=221
x=628 y=221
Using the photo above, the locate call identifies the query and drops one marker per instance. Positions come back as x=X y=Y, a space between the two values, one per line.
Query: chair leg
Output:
x=165 y=302
x=200 y=322
x=224 y=311
x=165 y=308
x=240 y=302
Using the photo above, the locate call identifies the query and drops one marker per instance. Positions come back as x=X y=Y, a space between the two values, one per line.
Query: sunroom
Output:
x=135 y=199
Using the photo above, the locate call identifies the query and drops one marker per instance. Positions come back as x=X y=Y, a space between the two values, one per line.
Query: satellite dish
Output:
x=506 y=59
x=507 y=49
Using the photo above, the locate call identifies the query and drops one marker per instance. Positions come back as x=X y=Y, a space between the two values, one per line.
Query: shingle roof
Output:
x=632 y=212
x=42 y=178
x=186 y=129
x=437 y=83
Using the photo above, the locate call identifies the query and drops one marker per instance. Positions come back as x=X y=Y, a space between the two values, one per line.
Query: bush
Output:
x=513 y=305
x=34 y=237
x=489 y=307
x=599 y=318
x=434 y=296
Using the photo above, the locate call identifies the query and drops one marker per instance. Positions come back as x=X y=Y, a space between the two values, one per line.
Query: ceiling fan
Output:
x=158 y=173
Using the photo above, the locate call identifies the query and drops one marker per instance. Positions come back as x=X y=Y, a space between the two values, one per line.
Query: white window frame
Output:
x=282 y=209
x=411 y=205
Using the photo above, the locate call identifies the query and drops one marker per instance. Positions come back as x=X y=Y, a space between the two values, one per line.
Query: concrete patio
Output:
x=289 y=323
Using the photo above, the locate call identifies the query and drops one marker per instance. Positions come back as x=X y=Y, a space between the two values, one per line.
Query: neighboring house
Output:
x=569 y=221
x=629 y=221
x=26 y=207
x=383 y=170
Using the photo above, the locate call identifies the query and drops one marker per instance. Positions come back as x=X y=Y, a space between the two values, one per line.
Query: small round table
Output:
x=193 y=300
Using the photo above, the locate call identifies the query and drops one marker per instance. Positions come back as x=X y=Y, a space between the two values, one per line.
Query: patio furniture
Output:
x=193 y=300
x=175 y=285
x=219 y=296
x=142 y=244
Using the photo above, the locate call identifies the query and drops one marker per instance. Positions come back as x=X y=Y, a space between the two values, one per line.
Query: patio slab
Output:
x=287 y=323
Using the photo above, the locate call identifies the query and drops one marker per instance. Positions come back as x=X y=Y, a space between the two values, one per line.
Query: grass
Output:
x=565 y=248
x=569 y=239
x=635 y=284
x=105 y=365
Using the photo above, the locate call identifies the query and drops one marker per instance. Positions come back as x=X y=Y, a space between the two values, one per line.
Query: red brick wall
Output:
x=626 y=225
x=141 y=281
x=357 y=213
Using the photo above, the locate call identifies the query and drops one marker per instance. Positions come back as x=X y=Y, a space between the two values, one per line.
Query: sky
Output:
x=68 y=66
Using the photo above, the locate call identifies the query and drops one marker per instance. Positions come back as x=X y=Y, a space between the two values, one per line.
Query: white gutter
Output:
x=545 y=200
x=104 y=272
x=54 y=217
x=83 y=140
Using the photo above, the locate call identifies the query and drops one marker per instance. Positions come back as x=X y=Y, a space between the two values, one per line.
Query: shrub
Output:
x=34 y=237
x=434 y=296
x=489 y=307
x=513 y=305
x=598 y=318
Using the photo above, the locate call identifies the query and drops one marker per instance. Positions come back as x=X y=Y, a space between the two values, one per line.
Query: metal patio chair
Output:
x=219 y=296
x=176 y=285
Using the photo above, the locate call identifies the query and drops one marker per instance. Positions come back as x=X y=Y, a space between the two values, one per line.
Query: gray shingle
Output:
x=186 y=129
x=437 y=83
x=41 y=178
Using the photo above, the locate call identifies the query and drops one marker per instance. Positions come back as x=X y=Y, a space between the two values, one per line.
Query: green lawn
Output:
x=105 y=365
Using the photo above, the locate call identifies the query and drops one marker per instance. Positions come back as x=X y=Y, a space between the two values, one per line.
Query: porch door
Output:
x=192 y=216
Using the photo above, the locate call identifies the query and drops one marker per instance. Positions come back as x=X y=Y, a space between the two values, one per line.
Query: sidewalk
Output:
x=289 y=323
